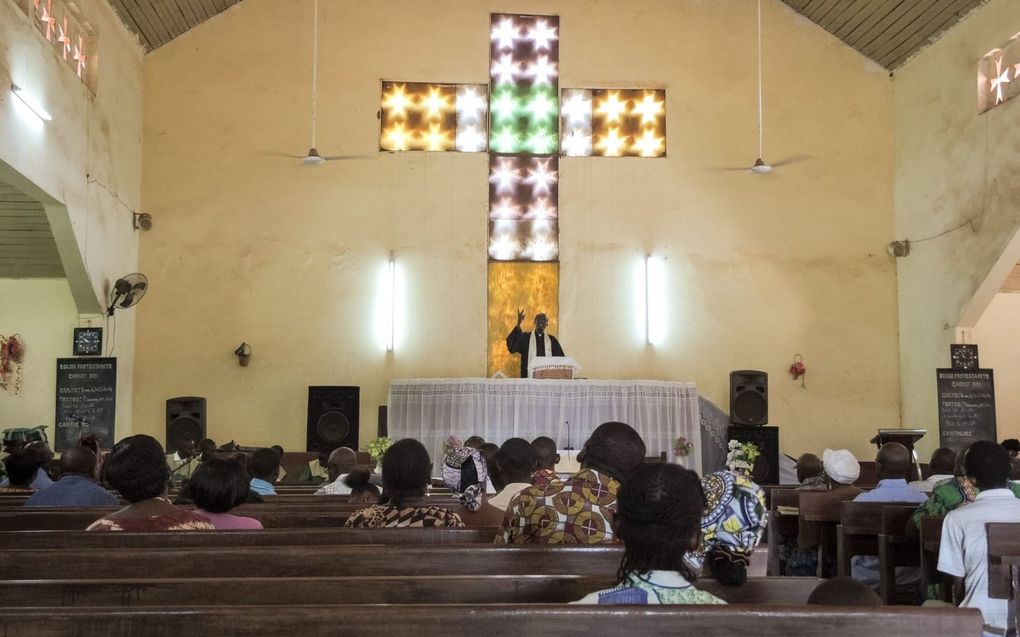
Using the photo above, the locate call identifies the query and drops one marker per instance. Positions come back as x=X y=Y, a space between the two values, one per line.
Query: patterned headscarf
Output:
x=735 y=515
x=465 y=473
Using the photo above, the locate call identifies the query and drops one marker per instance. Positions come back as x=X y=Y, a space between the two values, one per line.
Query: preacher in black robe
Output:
x=518 y=342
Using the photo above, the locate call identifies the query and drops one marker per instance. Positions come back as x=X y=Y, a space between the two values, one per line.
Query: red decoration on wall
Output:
x=12 y=353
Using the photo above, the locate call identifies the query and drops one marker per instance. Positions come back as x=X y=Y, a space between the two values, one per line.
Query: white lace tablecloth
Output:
x=431 y=409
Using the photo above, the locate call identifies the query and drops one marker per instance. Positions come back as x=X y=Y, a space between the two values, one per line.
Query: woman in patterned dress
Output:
x=658 y=517
x=137 y=469
x=734 y=522
x=406 y=474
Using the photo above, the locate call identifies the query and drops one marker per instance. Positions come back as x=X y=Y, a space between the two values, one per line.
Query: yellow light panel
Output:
x=625 y=123
x=533 y=287
x=418 y=116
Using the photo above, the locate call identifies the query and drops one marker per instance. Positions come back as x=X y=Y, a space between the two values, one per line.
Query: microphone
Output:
x=568 y=447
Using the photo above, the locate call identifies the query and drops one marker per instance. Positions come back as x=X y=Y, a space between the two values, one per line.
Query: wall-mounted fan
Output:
x=127 y=292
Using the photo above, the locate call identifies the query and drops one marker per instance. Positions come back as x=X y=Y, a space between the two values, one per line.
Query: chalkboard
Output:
x=86 y=400
x=966 y=407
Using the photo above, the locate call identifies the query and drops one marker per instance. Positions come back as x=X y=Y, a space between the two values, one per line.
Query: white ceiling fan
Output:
x=760 y=166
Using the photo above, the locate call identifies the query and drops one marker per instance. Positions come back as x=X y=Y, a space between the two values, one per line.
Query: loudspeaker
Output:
x=749 y=397
x=766 y=465
x=333 y=418
x=185 y=420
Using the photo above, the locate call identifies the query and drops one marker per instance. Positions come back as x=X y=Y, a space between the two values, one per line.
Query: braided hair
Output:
x=406 y=472
x=658 y=517
x=137 y=468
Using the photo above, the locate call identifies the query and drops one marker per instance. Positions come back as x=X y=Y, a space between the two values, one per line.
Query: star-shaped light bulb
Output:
x=542 y=34
x=505 y=209
x=470 y=139
x=997 y=82
x=648 y=108
x=436 y=102
x=64 y=38
x=504 y=247
x=505 y=176
x=541 y=209
x=611 y=144
x=505 y=69
x=541 y=142
x=470 y=105
x=46 y=17
x=504 y=141
x=397 y=101
x=396 y=137
x=504 y=34
x=79 y=55
x=504 y=107
x=540 y=107
x=540 y=178
x=648 y=145
x=576 y=108
x=437 y=138
x=541 y=71
x=612 y=107
x=541 y=248
x=577 y=144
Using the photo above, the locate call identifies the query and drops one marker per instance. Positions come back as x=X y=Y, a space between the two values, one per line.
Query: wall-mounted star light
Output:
x=613 y=123
x=62 y=25
x=433 y=117
x=999 y=75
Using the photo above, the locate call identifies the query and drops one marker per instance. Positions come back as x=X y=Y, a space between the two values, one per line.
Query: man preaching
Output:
x=534 y=343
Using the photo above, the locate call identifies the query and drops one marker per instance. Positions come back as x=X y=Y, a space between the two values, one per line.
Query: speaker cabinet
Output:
x=185 y=420
x=766 y=465
x=332 y=418
x=749 y=397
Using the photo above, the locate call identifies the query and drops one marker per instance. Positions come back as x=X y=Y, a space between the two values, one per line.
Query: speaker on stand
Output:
x=185 y=421
x=749 y=411
x=332 y=417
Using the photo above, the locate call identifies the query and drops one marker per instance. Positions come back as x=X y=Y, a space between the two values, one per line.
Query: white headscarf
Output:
x=841 y=465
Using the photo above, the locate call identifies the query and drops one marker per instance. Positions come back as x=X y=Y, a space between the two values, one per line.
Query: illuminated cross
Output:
x=1002 y=77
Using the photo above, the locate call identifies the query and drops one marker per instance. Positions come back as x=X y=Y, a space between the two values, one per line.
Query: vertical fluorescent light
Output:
x=655 y=300
x=31 y=103
x=391 y=280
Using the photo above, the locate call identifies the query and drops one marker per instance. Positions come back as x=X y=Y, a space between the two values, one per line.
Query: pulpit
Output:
x=553 y=367
x=907 y=438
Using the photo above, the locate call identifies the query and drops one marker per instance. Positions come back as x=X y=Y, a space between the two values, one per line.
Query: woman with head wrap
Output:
x=733 y=524
x=465 y=473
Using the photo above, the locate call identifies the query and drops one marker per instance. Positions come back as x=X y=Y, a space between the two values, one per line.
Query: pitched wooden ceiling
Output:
x=27 y=248
x=887 y=31
x=157 y=22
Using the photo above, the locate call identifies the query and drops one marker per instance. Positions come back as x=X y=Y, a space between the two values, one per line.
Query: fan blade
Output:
x=121 y=287
x=339 y=157
x=790 y=160
x=742 y=169
x=141 y=286
x=286 y=155
x=127 y=301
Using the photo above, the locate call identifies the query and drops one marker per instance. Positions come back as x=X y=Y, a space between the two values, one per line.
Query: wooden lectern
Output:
x=907 y=438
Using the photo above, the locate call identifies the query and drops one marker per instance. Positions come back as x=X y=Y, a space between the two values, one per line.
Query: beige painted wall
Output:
x=43 y=312
x=952 y=166
x=253 y=247
x=79 y=164
x=999 y=348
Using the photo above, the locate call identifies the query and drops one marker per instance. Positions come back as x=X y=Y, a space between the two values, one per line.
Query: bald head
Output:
x=341 y=461
x=809 y=466
x=892 y=461
x=79 y=460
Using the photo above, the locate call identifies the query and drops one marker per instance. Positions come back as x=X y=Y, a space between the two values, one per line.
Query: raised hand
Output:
x=520 y=317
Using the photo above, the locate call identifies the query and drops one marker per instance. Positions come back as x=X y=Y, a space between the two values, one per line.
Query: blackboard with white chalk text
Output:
x=966 y=407
x=86 y=400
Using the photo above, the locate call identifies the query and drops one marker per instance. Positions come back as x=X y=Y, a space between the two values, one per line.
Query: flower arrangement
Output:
x=378 y=447
x=452 y=442
x=682 y=447
x=12 y=353
x=741 y=456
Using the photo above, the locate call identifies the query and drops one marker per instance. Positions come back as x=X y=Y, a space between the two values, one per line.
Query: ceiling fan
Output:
x=760 y=166
x=312 y=157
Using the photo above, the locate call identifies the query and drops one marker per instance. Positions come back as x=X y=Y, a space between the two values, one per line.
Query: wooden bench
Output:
x=308 y=561
x=820 y=510
x=1004 y=562
x=895 y=549
x=780 y=526
x=860 y=525
x=505 y=619
x=931 y=539
x=444 y=589
x=266 y=537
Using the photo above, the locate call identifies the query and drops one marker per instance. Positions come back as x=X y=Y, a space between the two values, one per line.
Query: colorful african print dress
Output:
x=735 y=515
x=572 y=511
x=387 y=515
x=653 y=587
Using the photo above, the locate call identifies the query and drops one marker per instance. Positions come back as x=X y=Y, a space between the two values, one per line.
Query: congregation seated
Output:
x=466 y=474
x=941 y=466
x=406 y=474
x=658 y=518
x=547 y=459
x=217 y=486
x=516 y=463
x=37 y=453
x=844 y=591
x=576 y=510
x=963 y=552
x=340 y=463
x=137 y=469
x=811 y=473
x=264 y=468
x=732 y=526
x=21 y=468
x=359 y=481
x=77 y=485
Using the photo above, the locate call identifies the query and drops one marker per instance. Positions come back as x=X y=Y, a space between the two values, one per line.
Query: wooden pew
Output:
x=819 y=509
x=931 y=539
x=1004 y=563
x=780 y=527
x=895 y=548
x=859 y=528
x=266 y=537
x=308 y=561
x=505 y=619
x=444 y=589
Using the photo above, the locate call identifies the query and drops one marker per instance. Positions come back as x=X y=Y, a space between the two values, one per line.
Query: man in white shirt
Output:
x=340 y=463
x=964 y=549
x=183 y=462
x=517 y=463
x=940 y=468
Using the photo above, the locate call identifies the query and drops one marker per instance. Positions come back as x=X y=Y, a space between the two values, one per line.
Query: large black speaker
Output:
x=766 y=466
x=749 y=397
x=332 y=418
x=185 y=420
